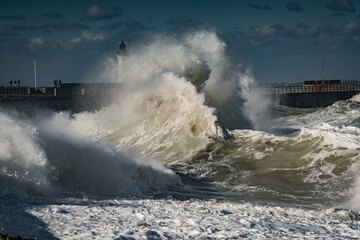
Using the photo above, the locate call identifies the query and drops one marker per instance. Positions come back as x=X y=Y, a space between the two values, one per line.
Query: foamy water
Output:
x=159 y=162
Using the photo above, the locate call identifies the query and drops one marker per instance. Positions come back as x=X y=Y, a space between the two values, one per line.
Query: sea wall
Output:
x=29 y=104
x=311 y=100
x=74 y=97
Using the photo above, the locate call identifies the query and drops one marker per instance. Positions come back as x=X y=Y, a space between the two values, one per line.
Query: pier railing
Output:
x=17 y=90
x=318 y=87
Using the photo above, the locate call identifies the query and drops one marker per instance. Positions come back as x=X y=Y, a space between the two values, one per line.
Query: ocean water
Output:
x=185 y=151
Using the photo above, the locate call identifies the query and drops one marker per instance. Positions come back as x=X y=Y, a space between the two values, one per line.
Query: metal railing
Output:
x=9 y=91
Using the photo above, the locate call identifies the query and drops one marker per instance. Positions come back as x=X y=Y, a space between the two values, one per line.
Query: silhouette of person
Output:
x=11 y=83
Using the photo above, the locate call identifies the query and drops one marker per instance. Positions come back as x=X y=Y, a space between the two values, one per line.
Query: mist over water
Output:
x=187 y=124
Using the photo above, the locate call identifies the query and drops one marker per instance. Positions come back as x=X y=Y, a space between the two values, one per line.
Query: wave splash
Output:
x=162 y=114
x=54 y=157
x=177 y=92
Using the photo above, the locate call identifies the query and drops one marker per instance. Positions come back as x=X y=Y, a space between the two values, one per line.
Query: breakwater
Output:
x=75 y=97
x=311 y=94
x=78 y=97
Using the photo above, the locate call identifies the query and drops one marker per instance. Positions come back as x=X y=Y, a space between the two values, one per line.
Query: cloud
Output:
x=66 y=25
x=95 y=12
x=352 y=25
x=302 y=26
x=47 y=33
x=93 y=37
x=303 y=38
x=278 y=27
x=8 y=36
x=11 y=42
x=254 y=6
x=89 y=36
x=56 y=26
x=338 y=14
x=131 y=25
x=266 y=7
x=51 y=15
x=20 y=28
x=36 y=42
x=113 y=26
x=341 y=6
x=12 y=17
x=259 y=7
x=181 y=22
x=353 y=29
x=294 y=7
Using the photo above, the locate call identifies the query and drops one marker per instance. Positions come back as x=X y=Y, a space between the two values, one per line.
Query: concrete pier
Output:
x=313 y=95
x=77 y=97
x=311 y=100
x=74 y=97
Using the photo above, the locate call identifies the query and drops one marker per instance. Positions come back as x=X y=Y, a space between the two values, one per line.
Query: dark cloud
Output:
x=259 y=7
x=131 y=25
x=341 y=6
x=56 y=26
x=21 y=28
x=181 y=22
x=195 y=6
x=278 y=27
x=294 y=7
x=338 y=14
x=302 y=37
x=8 y=36
x=302 y=26
x=181 y=25
x=12 y=17
x=66 y=25
x=113 y=26
x=266 y=7
x=95 y=12
x=47 y=33
x=11 y=42
x=254 y=6
x=51 y=15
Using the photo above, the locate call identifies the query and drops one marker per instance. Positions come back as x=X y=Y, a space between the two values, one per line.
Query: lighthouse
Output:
x=122 y=49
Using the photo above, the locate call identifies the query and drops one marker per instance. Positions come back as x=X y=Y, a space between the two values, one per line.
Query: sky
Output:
x=279 y=41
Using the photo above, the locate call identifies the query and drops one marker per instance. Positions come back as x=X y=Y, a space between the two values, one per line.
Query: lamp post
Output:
x=322 y=66
x=35 y=72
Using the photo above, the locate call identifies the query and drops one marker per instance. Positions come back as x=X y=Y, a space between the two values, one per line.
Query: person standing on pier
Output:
x=10 y=83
